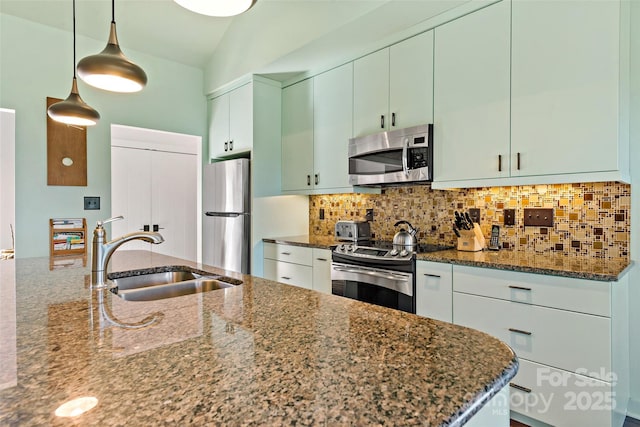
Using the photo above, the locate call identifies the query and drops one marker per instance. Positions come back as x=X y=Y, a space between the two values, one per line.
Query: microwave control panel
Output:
x=418 y=158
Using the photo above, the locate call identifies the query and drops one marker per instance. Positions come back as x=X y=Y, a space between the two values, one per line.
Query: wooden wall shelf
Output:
x=67 y=236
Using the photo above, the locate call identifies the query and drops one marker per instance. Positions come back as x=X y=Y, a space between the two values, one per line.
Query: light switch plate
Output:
x=540 y=217
x=474 y=214
x=509 y=217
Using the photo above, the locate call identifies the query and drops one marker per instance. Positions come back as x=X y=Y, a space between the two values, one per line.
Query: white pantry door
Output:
x=155 y=182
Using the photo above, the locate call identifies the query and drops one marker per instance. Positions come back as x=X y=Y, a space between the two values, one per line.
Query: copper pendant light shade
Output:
x=73 y=110
x=110 y=69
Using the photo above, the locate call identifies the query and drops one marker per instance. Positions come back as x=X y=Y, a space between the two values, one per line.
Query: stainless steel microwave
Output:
x=392 y=157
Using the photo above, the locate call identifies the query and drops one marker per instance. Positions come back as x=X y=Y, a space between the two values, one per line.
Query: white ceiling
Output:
x=163 y=28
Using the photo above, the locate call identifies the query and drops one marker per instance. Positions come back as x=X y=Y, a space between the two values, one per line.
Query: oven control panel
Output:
x=370 y=252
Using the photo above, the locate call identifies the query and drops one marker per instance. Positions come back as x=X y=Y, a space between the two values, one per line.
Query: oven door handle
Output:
x=389 y=276
x=405 y=159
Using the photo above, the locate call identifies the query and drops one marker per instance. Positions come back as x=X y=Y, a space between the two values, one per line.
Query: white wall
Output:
x=7 y=176
x=37 y=62
x=634 y=287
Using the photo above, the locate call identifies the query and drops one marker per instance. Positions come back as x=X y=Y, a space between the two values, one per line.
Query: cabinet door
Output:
x=371 y=93
x=411 y=82
x=218 y=126
x=241 y=119
x=322 y=270
x=130 y=193
x=565 y=86
x=434 y=283
x=332 y=126
x=174 y=183
x=297 y=136
x=471 y=96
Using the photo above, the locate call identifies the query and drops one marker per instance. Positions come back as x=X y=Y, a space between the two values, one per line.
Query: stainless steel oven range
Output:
x=376 y=273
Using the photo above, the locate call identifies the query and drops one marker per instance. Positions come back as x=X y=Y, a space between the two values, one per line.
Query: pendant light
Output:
x=221 y=8
x=73 y=110
x=110 y=69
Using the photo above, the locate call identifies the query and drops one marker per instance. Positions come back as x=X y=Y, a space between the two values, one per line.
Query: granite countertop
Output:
x=262 y=353
x=606 y=270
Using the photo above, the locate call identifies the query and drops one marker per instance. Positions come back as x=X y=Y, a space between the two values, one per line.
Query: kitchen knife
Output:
x=468 y=218
x=455 y=229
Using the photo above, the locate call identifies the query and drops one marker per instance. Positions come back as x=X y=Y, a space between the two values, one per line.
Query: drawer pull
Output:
x=321 y=259
x=520 y=331
x=285 y=253
x=285 y=277
x=519 y=387
x=520 y=288
x=432 y=275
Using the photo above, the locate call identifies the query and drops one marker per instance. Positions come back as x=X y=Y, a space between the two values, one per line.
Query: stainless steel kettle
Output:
x=404 y=239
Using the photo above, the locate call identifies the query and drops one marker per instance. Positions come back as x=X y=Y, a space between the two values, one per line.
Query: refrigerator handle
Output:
x=224 y=214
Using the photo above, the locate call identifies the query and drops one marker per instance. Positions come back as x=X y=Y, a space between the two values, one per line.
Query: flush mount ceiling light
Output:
x=221 y=8
x=73 y=110
x=110 y=69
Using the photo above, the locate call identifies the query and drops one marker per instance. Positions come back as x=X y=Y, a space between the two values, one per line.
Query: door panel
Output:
x=371 y=93
x=224 y=242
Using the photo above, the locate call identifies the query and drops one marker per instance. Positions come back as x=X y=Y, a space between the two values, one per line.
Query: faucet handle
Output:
x=106 y=221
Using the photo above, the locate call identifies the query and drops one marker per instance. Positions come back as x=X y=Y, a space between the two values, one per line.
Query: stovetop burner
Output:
x=422 y=247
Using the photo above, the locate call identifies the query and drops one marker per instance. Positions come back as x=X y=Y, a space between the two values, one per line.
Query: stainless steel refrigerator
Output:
x=227 y=220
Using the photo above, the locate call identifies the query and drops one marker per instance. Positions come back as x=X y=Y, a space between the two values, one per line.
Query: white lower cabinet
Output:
x=434 y=290
x=569 y=335
x=301 y=266
x=322 y=270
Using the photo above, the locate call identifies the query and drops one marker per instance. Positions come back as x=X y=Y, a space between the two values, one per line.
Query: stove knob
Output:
x=341 y=248
x=349 y=248
x=394 y=252
x=404 y=252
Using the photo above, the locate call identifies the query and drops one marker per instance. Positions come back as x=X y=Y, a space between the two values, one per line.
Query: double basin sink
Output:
x=166 y=282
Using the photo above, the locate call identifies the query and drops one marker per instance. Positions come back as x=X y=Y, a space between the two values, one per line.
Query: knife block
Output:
x=471 y=240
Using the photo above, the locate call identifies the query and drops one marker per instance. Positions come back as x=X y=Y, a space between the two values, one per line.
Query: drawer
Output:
x=322 y=270
x=433 y=290
x=584 y=296
x=558 y=338
x=289 y=253
x=561 y=398
x=291 y=274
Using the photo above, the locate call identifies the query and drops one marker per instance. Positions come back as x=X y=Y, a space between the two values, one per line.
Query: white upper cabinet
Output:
x=471 y=96
x=566 y=77
x=297 y=136
x=393 y=87
x=332 y=127
x=231 y=122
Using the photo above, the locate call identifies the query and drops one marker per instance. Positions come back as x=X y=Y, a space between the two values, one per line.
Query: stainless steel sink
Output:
x=168 y=283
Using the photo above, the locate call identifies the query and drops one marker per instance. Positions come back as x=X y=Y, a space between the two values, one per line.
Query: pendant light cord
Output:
x=113 y=11
x=74 y=39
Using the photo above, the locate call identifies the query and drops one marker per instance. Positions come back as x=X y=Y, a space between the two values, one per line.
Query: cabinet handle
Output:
x=432 y=275
x=518 y=160
x=308 y=179
x=226 y=146
x=520 y=288
x=285 y=253
x=382 y=121
x=499 y=162
x=520 y=331
x=231 y=145
x=145 y=227
x=321 y=259
x=156 y=227
x=317 y=178
x=519 y=387
x=393 y=119
x=285 y=277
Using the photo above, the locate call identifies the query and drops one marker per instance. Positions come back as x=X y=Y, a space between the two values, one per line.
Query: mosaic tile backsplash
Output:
x=590 y=219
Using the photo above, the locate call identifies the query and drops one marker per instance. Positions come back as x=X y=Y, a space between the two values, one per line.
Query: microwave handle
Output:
x=405 y=152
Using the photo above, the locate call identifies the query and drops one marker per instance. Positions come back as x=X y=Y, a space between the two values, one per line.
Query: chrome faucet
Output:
x=102 y=250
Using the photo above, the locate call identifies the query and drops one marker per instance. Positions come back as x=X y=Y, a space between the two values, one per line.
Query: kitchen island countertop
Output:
x=262 y=353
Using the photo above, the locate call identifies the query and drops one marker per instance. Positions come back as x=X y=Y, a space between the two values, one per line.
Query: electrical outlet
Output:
x=91 y=203
x=538 y=217
x=321 y=213
x=369 y=215
x=509 y=217
x=474 y=214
